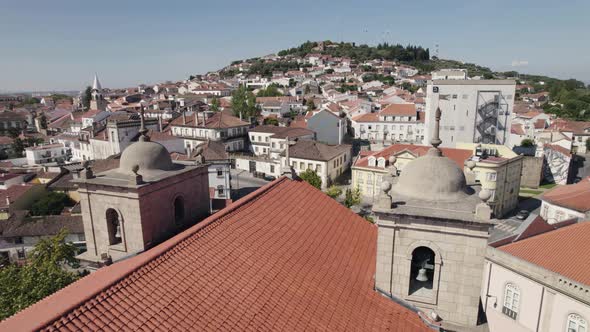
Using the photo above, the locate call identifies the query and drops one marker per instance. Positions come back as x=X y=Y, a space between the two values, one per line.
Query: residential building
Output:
x=197 y=128
x=20 y=233
x=328 y=161
x=372 y=167
x=566 y=202
x=328 y=127
x=475 y=111
x=449 y=74
x=580 y=133
x=497 y=169
x=271 y=141
x=394 y=123
x=12 y=120
x=48 y=153
x=537 y=280
x=318 y=245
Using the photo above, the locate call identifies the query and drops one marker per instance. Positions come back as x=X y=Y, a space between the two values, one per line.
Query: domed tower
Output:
x=143 y=202
x=433 y=230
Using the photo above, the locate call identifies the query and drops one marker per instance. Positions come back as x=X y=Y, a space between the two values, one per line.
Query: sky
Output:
x=60 y=44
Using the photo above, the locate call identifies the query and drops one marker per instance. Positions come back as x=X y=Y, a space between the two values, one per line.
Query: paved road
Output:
x=243 y=183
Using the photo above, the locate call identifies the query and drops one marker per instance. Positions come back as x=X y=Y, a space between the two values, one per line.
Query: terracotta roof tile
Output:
x=400 y=110
x=564 y=251
x=457 y=155
x=286 y=257
x=574 y=196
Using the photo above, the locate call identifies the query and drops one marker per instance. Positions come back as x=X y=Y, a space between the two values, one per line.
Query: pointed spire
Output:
x=142 y=130
x=96 y=84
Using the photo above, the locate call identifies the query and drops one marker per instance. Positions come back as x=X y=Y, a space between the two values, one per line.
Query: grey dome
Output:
x=147 y=155
x=432 y=177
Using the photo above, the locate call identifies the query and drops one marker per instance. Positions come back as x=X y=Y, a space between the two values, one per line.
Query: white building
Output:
x=473 y=111
x=538 y=280
x=271 y=141
x=566 y=202
x=44 y=154
x=395 y=123
x=197 y=128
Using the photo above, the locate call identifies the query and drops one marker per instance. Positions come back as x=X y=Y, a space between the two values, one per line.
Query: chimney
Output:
x=240 y=115
x=196 y=119
x=288 y=171
x=183 y=117
x=204 y=119
x=160 y=122
x=7 y=200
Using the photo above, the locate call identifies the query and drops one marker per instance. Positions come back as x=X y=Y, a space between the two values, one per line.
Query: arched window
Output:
x=113 y=226
x=511 y=300
x=575 y=323
x=178 y=209
x=422 y=272
x=372 y=161
x=381 y=162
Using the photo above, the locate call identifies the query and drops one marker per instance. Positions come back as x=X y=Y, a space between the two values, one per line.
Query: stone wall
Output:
x=459 y=261
x=532 y=171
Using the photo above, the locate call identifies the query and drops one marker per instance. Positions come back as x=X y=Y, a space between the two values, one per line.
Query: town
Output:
x=329 y=186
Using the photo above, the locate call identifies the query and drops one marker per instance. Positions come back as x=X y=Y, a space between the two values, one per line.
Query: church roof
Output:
x=286 y=257
x=96 y=84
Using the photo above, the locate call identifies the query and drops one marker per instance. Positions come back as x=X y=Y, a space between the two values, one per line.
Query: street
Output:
x=243 y=183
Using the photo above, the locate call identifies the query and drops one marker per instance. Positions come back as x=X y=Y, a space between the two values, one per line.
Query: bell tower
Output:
x=97 y=102
x=432 y=237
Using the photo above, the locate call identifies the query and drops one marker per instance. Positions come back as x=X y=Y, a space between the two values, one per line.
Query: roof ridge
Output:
x=118 y=272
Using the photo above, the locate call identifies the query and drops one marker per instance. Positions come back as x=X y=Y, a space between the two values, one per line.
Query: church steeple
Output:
x=97 y=101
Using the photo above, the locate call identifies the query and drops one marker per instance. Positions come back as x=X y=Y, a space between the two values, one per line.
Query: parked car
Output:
x=522 y=214
x=269 y=178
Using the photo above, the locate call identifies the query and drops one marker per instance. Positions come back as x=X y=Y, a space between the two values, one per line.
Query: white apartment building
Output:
x=473 y=111
x=271 y=141
x=197 y=128
x=395 y=123
x=566 y=202
x=49 y=153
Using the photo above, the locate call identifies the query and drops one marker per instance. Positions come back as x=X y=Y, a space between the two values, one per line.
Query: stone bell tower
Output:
x=432 y=236
x=97 y=102
x=145 y=201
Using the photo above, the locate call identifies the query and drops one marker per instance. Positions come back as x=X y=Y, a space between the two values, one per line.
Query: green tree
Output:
x=43 y=275
x=353 y=197
x=271 y=121
x=52 y=203
x=270 y=91
x=43 y=121
x=334 y=192
x=311 y=177
x=18 y=146
x=310 y=105
x=244 y=102
x=87 y=97
x=527 y=142
x=214 y=105
x=13 y=132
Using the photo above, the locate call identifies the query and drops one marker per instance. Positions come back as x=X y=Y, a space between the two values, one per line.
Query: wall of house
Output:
x=554 y=213
x=329 y=129
x=556 y=166
x=532 y=171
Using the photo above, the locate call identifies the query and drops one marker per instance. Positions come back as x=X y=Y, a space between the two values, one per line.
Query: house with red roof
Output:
x=539 y=279
x=566 y=202
x=394 y=123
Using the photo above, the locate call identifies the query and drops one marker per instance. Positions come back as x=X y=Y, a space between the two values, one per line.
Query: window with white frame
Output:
x=492 y=176
x=575 y=323
x=381 y=162
x=511 y=301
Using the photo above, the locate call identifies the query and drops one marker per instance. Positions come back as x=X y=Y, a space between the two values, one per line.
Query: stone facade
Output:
x=532 y=171
x=459 y=250
x=146 y=212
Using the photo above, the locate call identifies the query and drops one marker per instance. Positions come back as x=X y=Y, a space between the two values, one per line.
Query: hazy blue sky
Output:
x=60 y=44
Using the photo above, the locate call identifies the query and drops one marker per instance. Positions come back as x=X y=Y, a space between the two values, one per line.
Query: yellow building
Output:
x=369 y=169
x=498 y=169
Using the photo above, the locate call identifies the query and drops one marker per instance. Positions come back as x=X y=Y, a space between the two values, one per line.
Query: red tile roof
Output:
x=573 y=196
x=367 y=117
x=564 y=251
x=517 y=129
x=217 y=120
x=558 y=148
x=286 y=257
x=400 y=110
x=457 y=155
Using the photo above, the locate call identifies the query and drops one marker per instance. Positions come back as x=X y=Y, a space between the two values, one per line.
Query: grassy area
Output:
x=530 y=191
x=548 y=185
